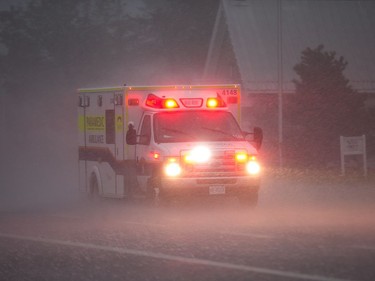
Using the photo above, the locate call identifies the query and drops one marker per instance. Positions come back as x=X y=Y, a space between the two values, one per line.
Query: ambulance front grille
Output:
x=221 y=164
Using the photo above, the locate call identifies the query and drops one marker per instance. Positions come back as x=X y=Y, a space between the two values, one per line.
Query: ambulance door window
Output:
x=110 y=126
x=145 y=135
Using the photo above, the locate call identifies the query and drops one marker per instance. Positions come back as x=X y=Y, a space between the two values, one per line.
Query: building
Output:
x=257 y=43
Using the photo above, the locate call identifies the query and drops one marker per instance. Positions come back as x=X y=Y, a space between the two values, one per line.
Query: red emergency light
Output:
x=161 y=103
x=133 y=102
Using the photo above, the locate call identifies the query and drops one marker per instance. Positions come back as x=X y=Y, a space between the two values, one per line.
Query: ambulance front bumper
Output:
x=210 y=186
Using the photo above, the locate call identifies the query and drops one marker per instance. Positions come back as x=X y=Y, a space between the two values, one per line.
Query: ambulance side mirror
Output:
x=256 y=137
x=131 y=135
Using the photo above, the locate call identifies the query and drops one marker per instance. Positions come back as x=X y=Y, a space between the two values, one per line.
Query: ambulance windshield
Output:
x=185 y=126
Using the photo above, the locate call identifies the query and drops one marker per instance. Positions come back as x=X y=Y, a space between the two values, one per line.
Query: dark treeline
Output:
x=48 y=49
x=89 y=42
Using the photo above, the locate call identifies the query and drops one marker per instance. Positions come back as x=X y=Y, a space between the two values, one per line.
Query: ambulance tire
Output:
x=250 y=199
x=156 y=198
x=155 y=195
x=94 y=189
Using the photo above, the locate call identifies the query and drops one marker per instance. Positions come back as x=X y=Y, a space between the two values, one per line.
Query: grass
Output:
x=326 y=176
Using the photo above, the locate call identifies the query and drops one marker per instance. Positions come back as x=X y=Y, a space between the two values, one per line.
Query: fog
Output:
x=39 y=162
x=306 y=70
x=155 y=42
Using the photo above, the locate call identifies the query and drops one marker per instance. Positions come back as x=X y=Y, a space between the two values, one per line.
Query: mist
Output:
x=306 y=70
x=74 y=45
x=39 y=135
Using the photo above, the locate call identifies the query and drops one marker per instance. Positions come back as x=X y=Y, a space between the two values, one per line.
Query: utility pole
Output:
x=2 y=133
x=280 y=78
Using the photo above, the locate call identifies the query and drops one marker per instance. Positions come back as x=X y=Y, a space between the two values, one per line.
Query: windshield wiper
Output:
x=177 y=132
x=174 y=131
x=222 y=132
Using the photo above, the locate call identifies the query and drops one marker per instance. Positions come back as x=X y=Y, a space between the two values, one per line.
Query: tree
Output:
x=47 y=50
x=323 y=108
x=82 y=42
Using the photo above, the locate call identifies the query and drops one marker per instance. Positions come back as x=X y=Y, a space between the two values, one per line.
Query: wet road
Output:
x=298 y=232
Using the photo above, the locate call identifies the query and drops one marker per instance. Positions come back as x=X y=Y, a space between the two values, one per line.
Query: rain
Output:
x=305 y=74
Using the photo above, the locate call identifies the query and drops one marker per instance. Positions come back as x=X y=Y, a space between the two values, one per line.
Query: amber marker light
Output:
x=241 y=156
x=172 y=168
x=212 y=102
x=155 y=155
x=170 y=103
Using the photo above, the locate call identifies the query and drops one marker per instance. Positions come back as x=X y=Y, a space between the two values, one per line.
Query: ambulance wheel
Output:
x=154 y=193
x=156 y=198
x=249 y=199
x=94 y=189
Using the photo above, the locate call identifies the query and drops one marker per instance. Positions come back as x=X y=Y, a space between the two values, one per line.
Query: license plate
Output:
x=216 y=189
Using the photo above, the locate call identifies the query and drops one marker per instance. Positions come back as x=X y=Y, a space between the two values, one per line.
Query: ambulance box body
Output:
x=166 y=141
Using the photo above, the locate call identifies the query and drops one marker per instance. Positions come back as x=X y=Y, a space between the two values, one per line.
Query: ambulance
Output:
x=165 y=142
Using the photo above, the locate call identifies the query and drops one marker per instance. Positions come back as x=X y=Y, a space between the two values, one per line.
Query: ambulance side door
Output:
x=143 y=150
x=83 y=101
x=119 y=142
x=100 y=139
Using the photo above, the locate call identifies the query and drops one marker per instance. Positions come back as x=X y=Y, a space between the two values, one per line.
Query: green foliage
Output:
x=323 y=108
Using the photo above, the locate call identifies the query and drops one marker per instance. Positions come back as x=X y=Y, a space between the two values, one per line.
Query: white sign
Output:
x=353 y=146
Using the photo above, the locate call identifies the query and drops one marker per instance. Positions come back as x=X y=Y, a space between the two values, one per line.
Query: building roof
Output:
x=344 y=26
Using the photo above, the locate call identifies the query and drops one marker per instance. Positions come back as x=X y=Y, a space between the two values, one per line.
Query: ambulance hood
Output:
x=174 y=149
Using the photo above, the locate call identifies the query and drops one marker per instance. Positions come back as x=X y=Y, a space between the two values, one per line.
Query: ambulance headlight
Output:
x=253 y=167
x=199 y=154
x=172 y=168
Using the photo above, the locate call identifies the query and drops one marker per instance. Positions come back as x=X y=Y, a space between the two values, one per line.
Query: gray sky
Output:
x=5 y=4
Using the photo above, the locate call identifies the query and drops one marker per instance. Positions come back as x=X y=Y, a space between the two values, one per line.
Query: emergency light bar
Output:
x=156 y=102
x=192 y=102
